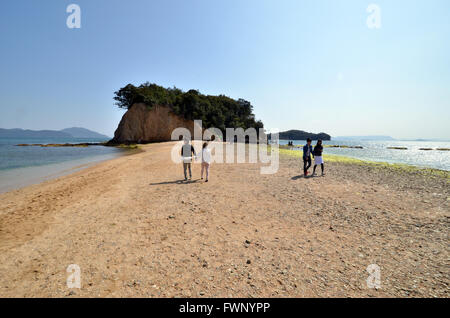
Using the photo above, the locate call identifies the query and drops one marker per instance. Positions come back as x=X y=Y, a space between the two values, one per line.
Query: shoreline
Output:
x=412 y=153
x=354 y=160
x=17 y=178
x=69 y=167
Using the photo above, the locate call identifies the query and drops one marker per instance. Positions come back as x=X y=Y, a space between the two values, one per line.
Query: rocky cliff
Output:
x=142 y=125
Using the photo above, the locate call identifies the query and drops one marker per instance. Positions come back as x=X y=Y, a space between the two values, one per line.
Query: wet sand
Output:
x=136 y=230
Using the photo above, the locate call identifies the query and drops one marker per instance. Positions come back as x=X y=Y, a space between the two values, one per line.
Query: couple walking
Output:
x=317 y=155
x=188 y=153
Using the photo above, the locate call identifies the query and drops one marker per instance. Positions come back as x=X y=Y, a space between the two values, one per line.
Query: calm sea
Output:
x=20 y=166
x=377 y=151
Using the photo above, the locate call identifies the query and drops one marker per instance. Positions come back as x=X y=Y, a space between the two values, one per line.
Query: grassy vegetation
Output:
x=82 y=145
x=325 y=146
x=394 y=166
x=398 y=148
x=130 y=146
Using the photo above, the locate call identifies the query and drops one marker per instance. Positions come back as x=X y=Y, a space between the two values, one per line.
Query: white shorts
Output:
x=318 y=160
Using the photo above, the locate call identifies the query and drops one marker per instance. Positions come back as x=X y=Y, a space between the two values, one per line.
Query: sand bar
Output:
x=136 y=230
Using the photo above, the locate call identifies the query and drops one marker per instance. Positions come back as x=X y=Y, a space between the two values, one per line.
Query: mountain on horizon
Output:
x=74 y=132
x=78 y=132
x=366 y=138
x=425 y=139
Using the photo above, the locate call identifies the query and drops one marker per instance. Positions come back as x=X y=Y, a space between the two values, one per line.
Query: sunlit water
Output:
x=21 y=166
x=377 y=151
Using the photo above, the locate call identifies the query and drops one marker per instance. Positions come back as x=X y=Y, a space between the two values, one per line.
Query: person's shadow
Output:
x=182 y=181
x=302 y=177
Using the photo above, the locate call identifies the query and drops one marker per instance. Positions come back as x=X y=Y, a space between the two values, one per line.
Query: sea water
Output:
x=378 y=151
x=20 y=166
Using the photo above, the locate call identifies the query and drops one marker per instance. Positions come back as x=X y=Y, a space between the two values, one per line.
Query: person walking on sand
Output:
x=318 y=160
x=206 y=160
x=307 y=151
x=186 y=152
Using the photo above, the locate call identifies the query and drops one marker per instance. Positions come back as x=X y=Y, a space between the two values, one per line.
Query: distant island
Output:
x=365 y=138
x=432 y=139
x=68 y=133
x=301 y=135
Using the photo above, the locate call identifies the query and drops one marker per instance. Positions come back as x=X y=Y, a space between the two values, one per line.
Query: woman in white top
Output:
x=206 y=160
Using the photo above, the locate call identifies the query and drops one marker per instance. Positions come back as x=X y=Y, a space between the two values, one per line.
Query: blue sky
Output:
x=310 y=65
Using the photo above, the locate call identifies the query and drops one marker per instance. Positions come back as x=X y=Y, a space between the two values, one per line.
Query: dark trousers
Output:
x=315 y=166
x=186 y=166
x=306 y=164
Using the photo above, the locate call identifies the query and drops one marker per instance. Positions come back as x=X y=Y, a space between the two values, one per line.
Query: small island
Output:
x=153 y=112
x=301 y=135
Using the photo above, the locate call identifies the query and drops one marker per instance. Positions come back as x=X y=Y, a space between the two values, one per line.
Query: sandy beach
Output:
x=136 y=230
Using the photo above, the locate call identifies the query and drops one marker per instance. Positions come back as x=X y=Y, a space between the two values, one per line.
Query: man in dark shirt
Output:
x=307 y=151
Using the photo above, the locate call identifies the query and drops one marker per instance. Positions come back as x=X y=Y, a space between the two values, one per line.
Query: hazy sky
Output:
x=310 y=65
